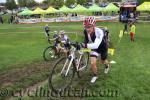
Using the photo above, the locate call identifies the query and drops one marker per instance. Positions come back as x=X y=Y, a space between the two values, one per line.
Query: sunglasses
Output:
x=87 y=27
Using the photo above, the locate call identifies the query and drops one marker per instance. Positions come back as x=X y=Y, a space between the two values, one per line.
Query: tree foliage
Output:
x=82 y=2
x=11 y=4
x=70 y=2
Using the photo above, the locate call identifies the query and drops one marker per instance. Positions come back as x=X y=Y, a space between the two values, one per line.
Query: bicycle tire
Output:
x=55 y=78
x=50 y=53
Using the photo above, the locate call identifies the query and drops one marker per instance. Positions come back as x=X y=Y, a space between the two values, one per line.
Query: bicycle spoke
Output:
x=49 y=54
x=58 y=78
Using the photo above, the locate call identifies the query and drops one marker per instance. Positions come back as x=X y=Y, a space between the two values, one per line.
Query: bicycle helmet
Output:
x=62 y=32
x=89 y=21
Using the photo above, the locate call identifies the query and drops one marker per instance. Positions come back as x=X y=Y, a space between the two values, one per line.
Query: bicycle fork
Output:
x=65 y=65
x=79 y=69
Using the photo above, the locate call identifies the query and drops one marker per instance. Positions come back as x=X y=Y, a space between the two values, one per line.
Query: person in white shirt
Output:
x=95 y=40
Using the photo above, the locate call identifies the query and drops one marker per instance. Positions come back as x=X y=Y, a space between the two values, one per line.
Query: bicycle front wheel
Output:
x=50 y=53
x=58 y=80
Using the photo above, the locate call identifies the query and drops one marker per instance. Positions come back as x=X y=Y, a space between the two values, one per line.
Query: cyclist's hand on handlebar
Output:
x=83 y=45
x=78 y=46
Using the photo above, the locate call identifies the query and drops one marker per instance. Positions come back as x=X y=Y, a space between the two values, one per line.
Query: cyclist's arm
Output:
x=94 y=45
x=85 y=37
x=98 y=40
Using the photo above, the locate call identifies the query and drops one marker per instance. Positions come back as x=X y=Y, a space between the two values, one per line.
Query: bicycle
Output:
x=63 y=71
x=51 y=52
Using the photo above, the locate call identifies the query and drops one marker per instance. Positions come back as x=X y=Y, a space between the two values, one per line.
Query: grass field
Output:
x=22 y=46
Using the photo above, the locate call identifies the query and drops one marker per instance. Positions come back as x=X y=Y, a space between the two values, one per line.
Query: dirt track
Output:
x=9 y=77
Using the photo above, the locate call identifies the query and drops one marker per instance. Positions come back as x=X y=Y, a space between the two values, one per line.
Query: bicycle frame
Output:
x=81 y=54
x=71 y=58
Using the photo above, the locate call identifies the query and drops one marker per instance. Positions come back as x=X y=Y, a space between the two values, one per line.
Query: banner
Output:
x=68 y=19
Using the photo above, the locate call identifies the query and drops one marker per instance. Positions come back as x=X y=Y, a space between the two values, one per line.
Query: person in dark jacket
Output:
x=1 y=19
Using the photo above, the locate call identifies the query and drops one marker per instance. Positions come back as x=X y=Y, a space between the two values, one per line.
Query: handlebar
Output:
x=76 y=45
x=79 y=47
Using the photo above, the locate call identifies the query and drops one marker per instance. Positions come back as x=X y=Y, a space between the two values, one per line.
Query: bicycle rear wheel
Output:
x=50 y=53
x=59 y=81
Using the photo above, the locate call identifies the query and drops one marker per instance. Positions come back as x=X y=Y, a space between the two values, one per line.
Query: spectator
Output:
x=132 y=31
x=148 y=17
x=1 y=19
x=11 y=19
x=125 y=28
x=16 y=19
x=76 y=14
x=107 y=34
x=113 y=13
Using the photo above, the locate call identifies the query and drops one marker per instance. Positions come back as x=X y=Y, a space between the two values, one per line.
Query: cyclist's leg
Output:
x=93 y=65
x=47 y=36
x=57 y=49
x=93 y=58
x=104 y=60
x=65 y=50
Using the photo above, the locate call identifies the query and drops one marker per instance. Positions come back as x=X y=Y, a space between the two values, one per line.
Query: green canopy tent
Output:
x=95 y=8
x=25 y=12
x=39 y=11
x=144 y=7
x=64 y=9
x=79 y=9
x=51 y=10
x=25 y=9
x=111 y=7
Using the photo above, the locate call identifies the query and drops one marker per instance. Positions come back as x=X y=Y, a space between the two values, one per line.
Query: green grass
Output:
x=21 y=44
x=24 y=43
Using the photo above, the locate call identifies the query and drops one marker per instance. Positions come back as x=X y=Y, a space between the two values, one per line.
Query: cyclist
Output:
x=46 y=29
x=63 y=37
x=56 y=35
x=95 y=40
x=61 y=41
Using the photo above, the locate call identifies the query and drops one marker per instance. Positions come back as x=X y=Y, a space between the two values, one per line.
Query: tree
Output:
x=82 y=2
x=58 y=3
x=49 y=2
x=114 y=0
x=26 y=3
x=11 y=4
x=70 y=2
x=45 y=2
x=54 y=3
x=22 y=3
x=31 y=3
x=141 y=1
x=104 y=1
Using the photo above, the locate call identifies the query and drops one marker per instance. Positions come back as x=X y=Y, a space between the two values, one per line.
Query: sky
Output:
x=16 y=0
